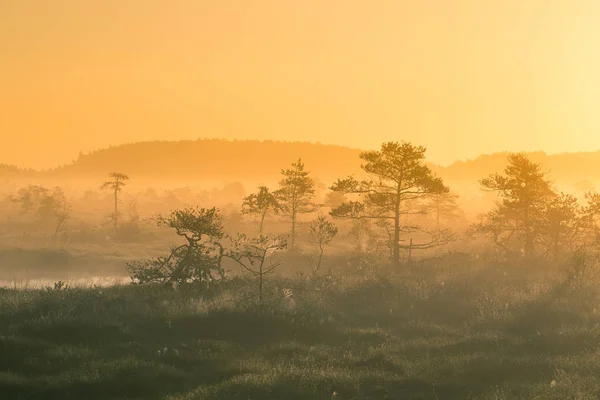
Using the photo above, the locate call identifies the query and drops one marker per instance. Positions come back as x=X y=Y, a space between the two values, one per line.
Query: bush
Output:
x=198 y=259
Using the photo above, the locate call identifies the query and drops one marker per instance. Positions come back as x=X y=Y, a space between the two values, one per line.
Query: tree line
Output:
x=531 y=220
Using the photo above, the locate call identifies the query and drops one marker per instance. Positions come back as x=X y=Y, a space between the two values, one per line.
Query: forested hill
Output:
x=12 y=171
x=564 y=167
x=214 y=159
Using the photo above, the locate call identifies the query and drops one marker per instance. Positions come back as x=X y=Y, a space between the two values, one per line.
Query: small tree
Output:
x=295 y=195
x=255 y=255
x=48 y=206
x=30 y=198
x=194 y=261
x=563 y=227
x=590 y=221
x=59 y=208
x=116 y=185
x=322 y=233
x=260 y=204
x=583 y=267
x=525 y=193
x=132 y=225
x=592 y=209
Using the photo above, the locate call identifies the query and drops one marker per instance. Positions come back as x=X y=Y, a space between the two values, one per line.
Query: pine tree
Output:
x=397 y=175
x=295 y=195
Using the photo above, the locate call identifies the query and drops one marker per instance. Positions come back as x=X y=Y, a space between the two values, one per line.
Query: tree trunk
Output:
x=320 y=259
x=262 y=221
x=60 y=222
x=293 y=229
x=528 y=235
x=178 y=275
x=116 y=216
x=260 y=284
x=396 y=259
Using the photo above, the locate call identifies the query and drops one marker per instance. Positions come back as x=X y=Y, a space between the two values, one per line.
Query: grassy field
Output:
x=431 y=332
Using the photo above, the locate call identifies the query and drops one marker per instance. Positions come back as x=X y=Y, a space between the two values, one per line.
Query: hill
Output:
x=12 y=170
x=564 y=167
x=217 y=160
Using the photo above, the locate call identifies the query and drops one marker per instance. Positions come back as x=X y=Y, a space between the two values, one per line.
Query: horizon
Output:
x=443 y=165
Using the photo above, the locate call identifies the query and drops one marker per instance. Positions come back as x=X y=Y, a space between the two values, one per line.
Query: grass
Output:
x=431 y=333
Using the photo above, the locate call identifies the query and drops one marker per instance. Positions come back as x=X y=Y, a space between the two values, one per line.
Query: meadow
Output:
x=460 y=327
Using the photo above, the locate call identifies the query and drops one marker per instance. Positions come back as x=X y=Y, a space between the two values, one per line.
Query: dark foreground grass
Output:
x=475 y=334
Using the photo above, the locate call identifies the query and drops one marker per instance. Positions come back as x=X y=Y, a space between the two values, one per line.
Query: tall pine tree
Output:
x=397 y=175
x=295 y=194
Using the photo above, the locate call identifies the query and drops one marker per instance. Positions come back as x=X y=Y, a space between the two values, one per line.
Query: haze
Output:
x=262 y=200
x=461 y=77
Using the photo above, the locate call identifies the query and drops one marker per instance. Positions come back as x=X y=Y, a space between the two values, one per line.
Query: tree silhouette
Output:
x=48 y=206
x=564 y=226
x=116 y=185
x=322 y=233
x=255 y=255
x=524 y=194
x=397 y=174
x=295 y=195
x=193 y=261
x=260 y=204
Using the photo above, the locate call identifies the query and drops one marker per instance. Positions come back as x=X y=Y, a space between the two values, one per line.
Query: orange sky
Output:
x=459 y=76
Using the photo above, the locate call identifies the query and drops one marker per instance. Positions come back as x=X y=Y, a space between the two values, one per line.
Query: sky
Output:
x=461 y=77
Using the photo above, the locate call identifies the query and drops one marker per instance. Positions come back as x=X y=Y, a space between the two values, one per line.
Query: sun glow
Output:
x=461 y=77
